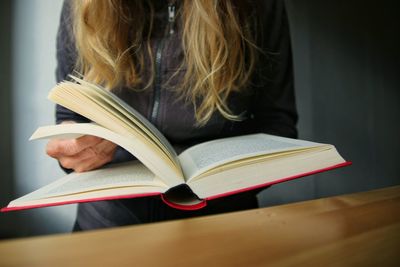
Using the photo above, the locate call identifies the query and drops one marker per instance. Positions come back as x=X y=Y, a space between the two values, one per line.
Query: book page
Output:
x=113 y=176
x=206 y=156
x=133 y=145
x=116 y=179
x=105 y=96
x=106 y=109
x=95 y=195
x=282 y=167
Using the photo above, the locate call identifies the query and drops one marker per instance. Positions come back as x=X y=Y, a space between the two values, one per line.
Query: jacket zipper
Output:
x=158 y=61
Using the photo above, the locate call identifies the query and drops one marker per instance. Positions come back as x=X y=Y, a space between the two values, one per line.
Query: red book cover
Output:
x=201 y=203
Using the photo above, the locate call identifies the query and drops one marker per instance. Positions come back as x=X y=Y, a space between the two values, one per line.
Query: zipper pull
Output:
x=171 y=17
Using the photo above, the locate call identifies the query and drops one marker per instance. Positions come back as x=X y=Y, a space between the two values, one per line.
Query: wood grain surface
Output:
x=361 y=229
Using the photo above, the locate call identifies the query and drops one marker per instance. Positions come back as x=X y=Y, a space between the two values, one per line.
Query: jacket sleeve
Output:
x=66 y=60
x=274 y=108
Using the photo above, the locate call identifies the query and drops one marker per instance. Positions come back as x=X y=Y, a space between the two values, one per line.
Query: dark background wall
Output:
x=347 y=59
x=6 y=155
x=347 y=64
x=28 y=33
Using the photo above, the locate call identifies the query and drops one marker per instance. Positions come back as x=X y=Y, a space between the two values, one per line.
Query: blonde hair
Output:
x=219 y=48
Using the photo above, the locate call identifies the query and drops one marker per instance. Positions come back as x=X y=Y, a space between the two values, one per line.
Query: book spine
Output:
x=196 y=206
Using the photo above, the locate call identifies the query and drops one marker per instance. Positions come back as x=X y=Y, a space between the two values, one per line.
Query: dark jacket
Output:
x=268 y=105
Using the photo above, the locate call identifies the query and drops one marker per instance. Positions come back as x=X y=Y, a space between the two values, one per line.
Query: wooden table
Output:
x=353 y=230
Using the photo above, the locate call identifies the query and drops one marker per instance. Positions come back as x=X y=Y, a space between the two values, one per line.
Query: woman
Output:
x=197 y=69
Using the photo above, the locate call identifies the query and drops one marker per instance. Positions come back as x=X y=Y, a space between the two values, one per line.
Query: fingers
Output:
x=82 y=154
x=59 y=148
x=91 y=164
x=102 y=153
x=97 y=156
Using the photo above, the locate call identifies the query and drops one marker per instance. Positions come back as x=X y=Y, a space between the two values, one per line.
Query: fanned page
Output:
x=202 y=159
x=113 y=181
x=133 y=145
x=106 y=109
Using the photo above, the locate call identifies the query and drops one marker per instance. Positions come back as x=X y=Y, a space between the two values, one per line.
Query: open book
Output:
x=187 y=181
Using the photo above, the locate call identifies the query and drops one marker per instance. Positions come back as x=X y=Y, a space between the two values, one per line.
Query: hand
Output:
x=81 y=154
